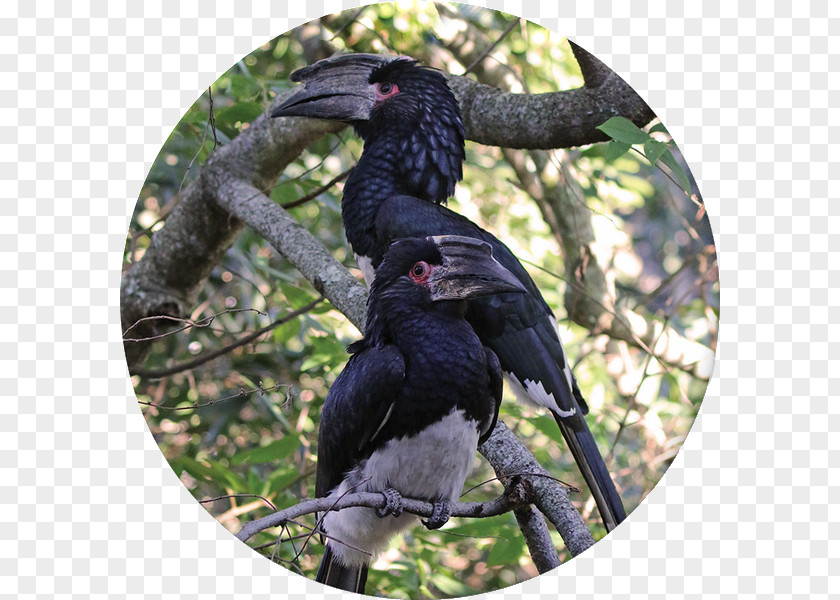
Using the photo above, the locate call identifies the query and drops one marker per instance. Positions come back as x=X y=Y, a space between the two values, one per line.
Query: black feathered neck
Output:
x=414 y=145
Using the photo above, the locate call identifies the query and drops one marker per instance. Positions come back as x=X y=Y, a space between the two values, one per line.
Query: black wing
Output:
x=358 y=404
x=494 y=370
x=521 y=330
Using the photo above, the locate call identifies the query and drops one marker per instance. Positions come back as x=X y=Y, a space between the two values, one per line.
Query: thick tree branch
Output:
x=534 y=530
x=197 y=233
x=296 y=244
x=542 y=121
x=166 y=281
x=590 y=300
x=507 y=455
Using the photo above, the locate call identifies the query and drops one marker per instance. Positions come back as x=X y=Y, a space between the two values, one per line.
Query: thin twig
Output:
x=264 y=499
x=315 y=193
x=212 y=119
x=205 y=322
x=211 y=402
x=492 y=46
x=207 y=357
x=349 y=22
x=569 y=486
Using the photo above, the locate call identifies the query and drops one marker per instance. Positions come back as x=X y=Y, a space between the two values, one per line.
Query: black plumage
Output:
x=412 y=159
x=417 y=396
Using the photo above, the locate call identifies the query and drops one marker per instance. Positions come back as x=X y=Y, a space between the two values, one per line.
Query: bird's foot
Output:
x=441 y=510
x=393 y=504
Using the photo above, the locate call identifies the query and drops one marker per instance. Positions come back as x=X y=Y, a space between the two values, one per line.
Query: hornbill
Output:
x=413 y=153
x=417 y=396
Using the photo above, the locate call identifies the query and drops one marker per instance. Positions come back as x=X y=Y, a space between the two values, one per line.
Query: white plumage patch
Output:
x=366 y=265
x=534 y=392
x=431 y=465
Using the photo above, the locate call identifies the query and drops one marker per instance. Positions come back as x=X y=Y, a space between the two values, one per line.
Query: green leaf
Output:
x=615 y=149
x=659 y=127
x=507 y=550
x=280 y=479
x=450 y=586
x=678 y=171
x=623 y=130
x=273 y=452
x=548 y=426
x=244 y=87
x=654 y=150
x=212 y=471
x=242 y=112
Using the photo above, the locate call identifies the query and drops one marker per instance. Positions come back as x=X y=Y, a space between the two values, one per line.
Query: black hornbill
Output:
x=413 y=154
x=418 y=395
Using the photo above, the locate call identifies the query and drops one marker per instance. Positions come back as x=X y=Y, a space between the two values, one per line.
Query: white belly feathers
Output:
x=430 y=465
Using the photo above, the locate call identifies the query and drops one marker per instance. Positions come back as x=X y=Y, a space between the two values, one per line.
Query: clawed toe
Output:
x=393 y=504
x=440 y=515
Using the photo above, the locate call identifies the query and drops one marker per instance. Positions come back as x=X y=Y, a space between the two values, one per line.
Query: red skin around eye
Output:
x=379 y=96
x=419 y=272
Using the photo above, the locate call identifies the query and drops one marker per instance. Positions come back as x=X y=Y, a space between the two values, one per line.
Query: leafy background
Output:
x=246 y=422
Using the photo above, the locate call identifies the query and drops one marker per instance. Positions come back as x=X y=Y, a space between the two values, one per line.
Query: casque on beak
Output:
x=336 y=88
x=469 y=270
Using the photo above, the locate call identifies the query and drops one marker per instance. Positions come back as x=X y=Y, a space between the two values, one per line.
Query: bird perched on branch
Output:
x=418 y=395
x=413 y=154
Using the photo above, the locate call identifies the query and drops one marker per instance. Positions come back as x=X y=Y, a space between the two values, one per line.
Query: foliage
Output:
x=258 y=435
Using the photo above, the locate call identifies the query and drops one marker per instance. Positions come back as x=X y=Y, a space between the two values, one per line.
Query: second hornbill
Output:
x=418 y=395
x=413 y=153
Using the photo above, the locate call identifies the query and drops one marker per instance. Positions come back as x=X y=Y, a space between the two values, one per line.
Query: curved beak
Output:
x=469 y=270
x=336 y=88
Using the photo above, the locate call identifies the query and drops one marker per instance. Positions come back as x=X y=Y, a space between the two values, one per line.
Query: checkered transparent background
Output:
x=89 y=93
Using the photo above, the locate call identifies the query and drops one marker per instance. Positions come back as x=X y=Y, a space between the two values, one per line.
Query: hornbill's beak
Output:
x=469 y=270
x=336 y=88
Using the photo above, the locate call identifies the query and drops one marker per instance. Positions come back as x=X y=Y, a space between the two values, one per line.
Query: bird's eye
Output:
x=419 y=273
x=385 y=89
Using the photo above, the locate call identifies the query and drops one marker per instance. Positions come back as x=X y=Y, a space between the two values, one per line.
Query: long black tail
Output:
x=588 y=458
x=332 y=573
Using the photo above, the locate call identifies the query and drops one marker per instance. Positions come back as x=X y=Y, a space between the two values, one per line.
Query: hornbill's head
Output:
x=438 y=268
x=393 y=101
x=371 y=92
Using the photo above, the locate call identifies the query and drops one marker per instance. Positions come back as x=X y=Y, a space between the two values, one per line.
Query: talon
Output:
x=441 y=510
x=393 y=504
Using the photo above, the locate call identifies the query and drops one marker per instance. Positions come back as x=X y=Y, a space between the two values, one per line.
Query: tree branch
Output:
x=229 y=193
x=525 y=480
x=589 y=300
x=507 y=455
x=421 y=508
x=247 y=339
x=166 y=281
x=534 y=530
x=181 y=255
x=291 y=239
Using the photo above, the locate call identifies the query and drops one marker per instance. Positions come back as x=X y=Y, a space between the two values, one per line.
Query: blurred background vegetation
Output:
x=246 y=422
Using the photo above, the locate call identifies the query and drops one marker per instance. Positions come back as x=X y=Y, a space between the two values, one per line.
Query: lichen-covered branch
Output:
x=167 y=279
x=508 y=456
x=296 y=244
x=532 y=525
